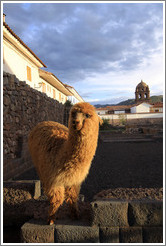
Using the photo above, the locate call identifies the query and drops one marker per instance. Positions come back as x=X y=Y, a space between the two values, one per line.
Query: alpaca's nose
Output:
x=76 y=122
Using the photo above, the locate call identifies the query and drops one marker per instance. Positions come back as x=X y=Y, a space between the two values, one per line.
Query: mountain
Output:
x=153 y=99
x=127 y=102
x=103 y=105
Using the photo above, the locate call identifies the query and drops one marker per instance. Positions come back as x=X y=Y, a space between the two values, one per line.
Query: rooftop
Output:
x=21 y=42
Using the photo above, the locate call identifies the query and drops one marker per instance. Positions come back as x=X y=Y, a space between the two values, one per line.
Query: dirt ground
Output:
x=121 y=165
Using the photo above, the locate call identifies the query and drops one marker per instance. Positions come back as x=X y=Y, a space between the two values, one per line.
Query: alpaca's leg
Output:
x=56 y=199
x=71 y=197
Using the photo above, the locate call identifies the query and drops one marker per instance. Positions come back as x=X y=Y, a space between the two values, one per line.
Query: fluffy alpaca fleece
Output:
x=63 y=156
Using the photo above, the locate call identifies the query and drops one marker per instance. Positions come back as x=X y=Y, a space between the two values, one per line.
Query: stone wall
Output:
x=101 y=221
x=140 y=118
x=23 y=108
x=110 y=222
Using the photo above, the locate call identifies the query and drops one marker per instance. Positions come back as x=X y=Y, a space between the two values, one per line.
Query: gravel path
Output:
x=121 y=165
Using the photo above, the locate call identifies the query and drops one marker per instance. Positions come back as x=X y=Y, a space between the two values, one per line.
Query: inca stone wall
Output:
x=23 y=108
x=103 y=220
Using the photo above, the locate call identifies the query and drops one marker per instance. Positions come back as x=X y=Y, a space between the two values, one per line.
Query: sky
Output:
x=102 y=49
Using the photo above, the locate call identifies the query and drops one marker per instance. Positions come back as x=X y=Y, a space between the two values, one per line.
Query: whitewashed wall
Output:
x=14 y=62
x=119 y=111
x=72 y=99
x=132 y=116
x=142 y=108
x=101 y=112
x=49 y=91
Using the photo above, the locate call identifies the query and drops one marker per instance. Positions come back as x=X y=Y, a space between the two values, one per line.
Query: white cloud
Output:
x=102 y=49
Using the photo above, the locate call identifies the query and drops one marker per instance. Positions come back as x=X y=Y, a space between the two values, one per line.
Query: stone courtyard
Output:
x=126 y=164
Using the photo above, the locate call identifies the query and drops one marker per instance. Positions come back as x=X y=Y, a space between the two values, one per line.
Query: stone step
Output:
x=119 y=213
x=37 y=231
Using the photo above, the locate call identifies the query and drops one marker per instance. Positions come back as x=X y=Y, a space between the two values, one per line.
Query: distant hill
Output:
x=103 y=105
x=127 y=102
x=153 y=99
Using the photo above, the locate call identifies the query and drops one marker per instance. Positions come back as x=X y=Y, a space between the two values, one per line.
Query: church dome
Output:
x=142 y=92
x=142 y=85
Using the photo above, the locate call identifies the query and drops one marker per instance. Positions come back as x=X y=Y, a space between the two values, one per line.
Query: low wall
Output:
x=107 y=221
x=23 y=108
x=111 y=222
x=142 y=118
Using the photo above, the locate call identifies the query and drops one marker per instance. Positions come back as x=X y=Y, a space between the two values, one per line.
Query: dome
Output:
x=141 y=85
x=142 y=92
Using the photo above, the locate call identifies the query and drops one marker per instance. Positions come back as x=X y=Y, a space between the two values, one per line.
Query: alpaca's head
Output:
x=83 y=118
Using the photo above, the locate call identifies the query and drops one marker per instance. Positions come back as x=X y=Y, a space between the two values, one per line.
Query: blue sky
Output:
x=101 y=49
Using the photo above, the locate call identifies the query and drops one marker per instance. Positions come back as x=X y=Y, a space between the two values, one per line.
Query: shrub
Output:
x=122 y=119
x=105 y=125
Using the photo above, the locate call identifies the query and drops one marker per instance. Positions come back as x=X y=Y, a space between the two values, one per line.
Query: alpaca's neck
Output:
x=79 y=145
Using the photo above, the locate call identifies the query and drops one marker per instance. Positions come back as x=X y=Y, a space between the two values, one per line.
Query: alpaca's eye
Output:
x=88 y=115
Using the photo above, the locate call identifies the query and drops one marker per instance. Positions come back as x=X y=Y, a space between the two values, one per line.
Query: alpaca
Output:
x=62 y=156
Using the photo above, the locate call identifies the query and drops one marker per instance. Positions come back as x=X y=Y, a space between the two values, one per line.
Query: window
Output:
x=60 y=97
x=48 y=88
x=54 y=93
x=29 y=75
x=43 y=87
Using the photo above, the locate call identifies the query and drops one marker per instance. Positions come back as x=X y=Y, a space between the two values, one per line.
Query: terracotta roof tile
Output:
x=157 y=104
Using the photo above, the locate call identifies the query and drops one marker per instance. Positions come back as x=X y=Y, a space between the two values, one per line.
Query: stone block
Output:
x=5 y=80
x=109 y=234
x=32 y=188
x=145 y=213
x=6 y=100
x=18 y=201
x=130 y=235
x=109 y=213
x=37 y=232
x=152 y=234
x=76 y=232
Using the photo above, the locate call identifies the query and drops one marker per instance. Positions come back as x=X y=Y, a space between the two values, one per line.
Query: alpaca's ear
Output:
x=100 y=121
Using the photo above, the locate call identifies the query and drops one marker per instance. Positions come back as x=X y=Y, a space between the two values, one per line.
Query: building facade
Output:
x=74 y=97
x=20 y=60
x=52 y=86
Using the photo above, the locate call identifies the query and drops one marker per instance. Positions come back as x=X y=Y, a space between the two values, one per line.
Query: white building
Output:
x=102 y=111
x=19 y=59
x=141 y=108
x=157 y=107
x=52 y=86
x=75 y=97
x=124 y=109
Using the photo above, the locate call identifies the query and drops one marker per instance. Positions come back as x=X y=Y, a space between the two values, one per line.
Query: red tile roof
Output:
x=157 y=104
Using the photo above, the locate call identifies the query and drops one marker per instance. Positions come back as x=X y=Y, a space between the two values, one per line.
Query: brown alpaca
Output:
x=63 y=156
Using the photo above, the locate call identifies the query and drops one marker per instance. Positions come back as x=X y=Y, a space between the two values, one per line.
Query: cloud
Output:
x=80 y=42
